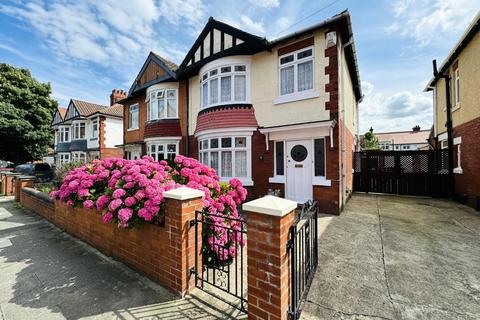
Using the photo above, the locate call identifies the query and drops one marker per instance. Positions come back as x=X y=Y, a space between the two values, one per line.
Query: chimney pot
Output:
x=116 y=95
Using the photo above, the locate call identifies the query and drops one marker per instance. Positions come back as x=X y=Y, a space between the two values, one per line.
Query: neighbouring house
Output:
x=278 y=115
x=462 y=67
x=415 y=139
x=85 y=131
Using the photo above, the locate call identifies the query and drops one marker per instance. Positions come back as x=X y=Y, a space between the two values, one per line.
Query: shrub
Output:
x=130 y=193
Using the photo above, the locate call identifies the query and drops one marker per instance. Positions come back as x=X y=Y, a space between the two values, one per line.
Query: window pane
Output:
x=226 y=87
x=286 y=80
x=213 y=91
x=153 y=148
x=240 y=68
x=160 y=109
x=240 y=163
x=214 y=143
x=240 y=88
x=214 y=160
x=226 y=142
x=171 y=108
x=226 y=164
x=279 y=158
x=205 y=144
x=171 y=148
x=213 y=72
x=305 y=75
x=304 y=54
x=319 y=154
x=240 y=142
x=205 y=94
x=82 y=130
x=225 y=69
x=286 y=59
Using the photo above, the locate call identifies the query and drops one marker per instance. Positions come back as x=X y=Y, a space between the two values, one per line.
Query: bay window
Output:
x=79 y=130
x=223 y=85
x=296 y=71
x=162 y=150
x=63 y=158
x=79 y=156
x=63 y=134
x=228 y=155
x=162 y=104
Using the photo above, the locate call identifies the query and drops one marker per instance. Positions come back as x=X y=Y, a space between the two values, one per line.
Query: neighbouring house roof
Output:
x=85 y=108
x=226 y=117
x=62 y=111
x=404 y=137
x=59 y=115
x=171 y=65
x=465 y=39
x=115 y=111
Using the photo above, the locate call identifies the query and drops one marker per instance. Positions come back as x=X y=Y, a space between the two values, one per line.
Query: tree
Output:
x=370 y=141
x=26 y=110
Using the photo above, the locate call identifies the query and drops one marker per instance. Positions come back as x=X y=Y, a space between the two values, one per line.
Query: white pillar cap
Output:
x=270 y=205
x=183 y=193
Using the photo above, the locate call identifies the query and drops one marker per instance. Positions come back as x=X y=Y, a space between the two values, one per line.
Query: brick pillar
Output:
x=9 y=189
x=22 y=182
x=269 y=221
x=180 y=208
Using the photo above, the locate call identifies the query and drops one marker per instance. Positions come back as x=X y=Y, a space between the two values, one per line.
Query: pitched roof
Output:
x=467 y=36
x=116 y=110
x=226 y=117
x=62 y=111
x=404 y=137
x=171 y=65
x=85 y=108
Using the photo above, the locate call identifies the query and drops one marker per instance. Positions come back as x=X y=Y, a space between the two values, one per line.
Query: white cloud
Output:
x=430 y=21
x=252 y=26
x=268 y=4
x=399 y=111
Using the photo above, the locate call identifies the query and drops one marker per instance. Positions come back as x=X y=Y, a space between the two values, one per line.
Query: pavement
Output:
x=47 y=274
x=388 y=257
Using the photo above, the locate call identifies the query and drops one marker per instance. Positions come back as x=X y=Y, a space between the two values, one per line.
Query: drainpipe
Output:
x=187 y=138
x=343 y=127
x=448 y=125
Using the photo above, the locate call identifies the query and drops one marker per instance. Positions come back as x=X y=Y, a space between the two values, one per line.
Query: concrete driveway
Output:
x=390 y=257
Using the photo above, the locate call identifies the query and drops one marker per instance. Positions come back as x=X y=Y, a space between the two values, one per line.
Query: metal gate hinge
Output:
x=289 y=244
x=192 y=271
x=193 y=222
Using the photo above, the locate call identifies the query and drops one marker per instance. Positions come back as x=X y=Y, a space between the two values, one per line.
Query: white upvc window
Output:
x=225 y=84
x=296 y=71
x=133 y=117
x=456 y=87
x=230 y=156
x=457 y=142
x=162 y=104
x=79 y=156
x=95 y=129
x=78 y=131
x=159 y=151
x=64 y=134
x=63 y=158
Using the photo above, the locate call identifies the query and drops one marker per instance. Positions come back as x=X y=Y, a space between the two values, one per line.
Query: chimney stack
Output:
x=416 y=128
x=117 y=95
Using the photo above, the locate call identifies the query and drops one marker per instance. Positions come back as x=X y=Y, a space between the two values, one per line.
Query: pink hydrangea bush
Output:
x=130 y=192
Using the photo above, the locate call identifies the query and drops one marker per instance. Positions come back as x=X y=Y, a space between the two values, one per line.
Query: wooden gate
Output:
x=418 y=173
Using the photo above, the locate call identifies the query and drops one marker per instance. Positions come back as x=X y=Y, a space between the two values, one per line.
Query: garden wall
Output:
x=163 y=253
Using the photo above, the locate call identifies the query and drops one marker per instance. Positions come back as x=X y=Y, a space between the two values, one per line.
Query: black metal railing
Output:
x=302 y=248
x=221 y=275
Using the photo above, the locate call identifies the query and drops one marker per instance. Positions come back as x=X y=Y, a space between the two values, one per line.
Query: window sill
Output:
x=456 y=107
x=246 y=182
x=298 y=96
x=321 y=181
x=458 y=170
x=93 y=139
x=277 y=179
x=132 y=129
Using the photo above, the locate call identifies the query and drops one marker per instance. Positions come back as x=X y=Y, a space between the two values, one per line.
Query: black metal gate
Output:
x=302 y=248
x=419 y=173
x=220 y=277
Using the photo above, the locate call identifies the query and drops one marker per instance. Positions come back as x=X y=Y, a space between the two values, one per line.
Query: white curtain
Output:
x=205 y=94
x=226 y=88
x=213 y=91
x=160 y=105
x=240 y=88
x=214 y=160
x=286 y=80
x=171 y=108
x=240 y=164
x=226 y=164
x=305 y=76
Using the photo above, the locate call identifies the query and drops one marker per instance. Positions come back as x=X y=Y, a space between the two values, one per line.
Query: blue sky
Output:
x=87 y=48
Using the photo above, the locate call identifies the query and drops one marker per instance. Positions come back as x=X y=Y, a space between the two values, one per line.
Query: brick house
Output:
x=85 y=131
x=278 y=115
x=462 y=67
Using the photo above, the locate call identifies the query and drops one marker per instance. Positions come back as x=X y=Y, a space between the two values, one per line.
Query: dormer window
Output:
x=162 y=104
x=224 y=84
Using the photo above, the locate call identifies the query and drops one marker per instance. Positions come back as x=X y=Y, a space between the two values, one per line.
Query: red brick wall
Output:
x=469 y=181
x=164 y=254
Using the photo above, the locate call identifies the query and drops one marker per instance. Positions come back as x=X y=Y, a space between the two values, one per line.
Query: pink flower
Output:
x=83 y=192
x=70 y=203
x=102 y=201
x=119 y=193
x=115 y=204
x=124 y=214
x=88 y=204
x=107 y=217
x=140 y=194
x=130 y=201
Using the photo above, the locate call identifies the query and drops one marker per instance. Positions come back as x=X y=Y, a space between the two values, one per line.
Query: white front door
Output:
x=299 y=170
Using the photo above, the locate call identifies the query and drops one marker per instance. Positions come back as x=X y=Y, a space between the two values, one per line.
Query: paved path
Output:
x=47 y=274
x=392 y=257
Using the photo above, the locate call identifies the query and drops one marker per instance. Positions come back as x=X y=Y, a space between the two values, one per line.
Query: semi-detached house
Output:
x=278 y=115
